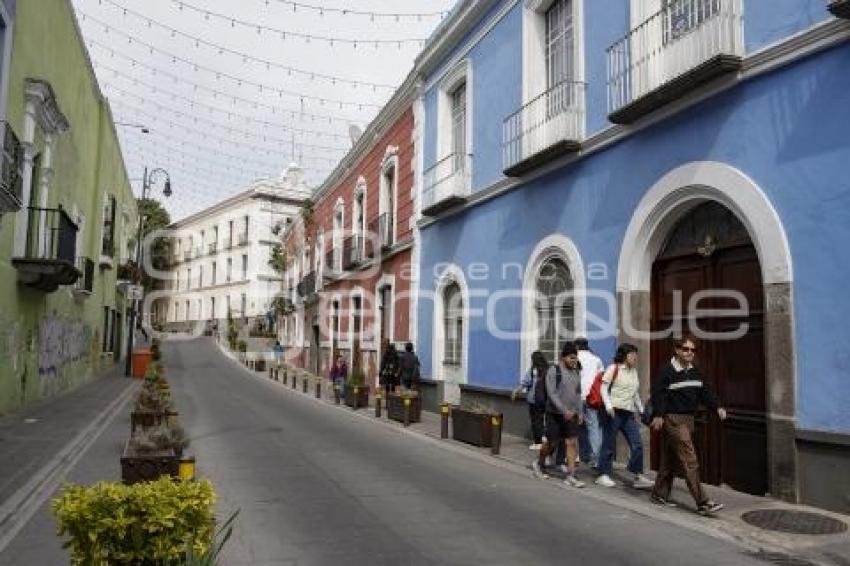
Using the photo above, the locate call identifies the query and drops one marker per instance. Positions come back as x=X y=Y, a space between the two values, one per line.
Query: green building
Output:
x=67 y=212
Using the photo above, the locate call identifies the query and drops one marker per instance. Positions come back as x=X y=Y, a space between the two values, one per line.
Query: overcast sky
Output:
x=211 y=83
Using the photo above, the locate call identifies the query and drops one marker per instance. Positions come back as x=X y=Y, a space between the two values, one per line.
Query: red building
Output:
x=349 y=278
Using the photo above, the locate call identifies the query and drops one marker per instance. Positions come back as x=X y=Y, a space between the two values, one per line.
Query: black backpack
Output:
x=541 y=395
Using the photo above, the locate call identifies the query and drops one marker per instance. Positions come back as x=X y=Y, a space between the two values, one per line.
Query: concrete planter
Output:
x=147 y=419
x=472 y=427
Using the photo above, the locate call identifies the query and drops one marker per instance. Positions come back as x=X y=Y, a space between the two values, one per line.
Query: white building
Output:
x=221 y=255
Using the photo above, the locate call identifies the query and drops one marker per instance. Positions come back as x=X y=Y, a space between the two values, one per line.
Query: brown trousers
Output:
x=678 y=454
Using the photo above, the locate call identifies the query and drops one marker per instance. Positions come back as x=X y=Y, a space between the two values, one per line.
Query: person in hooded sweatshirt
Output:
x=563 y=412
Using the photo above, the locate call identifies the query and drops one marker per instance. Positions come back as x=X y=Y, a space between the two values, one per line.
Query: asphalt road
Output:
x=318 y=485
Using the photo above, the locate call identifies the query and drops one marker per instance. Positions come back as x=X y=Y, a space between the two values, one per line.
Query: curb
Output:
x=20 y=507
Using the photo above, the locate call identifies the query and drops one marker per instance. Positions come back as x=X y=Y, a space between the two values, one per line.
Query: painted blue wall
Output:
x=786 y=130
x=497 y=67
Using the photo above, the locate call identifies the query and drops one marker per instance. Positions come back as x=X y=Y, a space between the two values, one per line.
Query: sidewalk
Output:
x=42 y=443
x=773 y=546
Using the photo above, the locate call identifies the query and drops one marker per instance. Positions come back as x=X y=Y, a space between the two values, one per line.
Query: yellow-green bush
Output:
x=146 y=523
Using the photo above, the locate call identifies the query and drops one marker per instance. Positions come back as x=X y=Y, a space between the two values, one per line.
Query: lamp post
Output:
x=147 y=180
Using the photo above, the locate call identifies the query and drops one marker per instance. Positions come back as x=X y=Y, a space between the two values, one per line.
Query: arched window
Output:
x=555 y=307
x=453 y=324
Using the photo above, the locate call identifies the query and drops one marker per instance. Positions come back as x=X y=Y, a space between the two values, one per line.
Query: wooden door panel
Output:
x=743 y=452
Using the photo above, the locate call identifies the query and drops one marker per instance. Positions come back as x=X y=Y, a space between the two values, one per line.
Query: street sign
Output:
x=135 y=292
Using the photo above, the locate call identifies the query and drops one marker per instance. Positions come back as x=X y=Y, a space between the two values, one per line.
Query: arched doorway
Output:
x=709 y=249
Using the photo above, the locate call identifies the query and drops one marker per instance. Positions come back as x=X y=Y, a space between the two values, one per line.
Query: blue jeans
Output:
x=590 y=437
x=621 y=421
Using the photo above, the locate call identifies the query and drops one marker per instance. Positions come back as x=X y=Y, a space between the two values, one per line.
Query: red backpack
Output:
x=594 y=396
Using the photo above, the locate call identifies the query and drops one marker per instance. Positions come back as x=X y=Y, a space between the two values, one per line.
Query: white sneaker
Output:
x=642 y=482
x=573 y=481
x=550 y=460
x=538 y=471
x=535 y=447
x=605 y=481
x=563 y=469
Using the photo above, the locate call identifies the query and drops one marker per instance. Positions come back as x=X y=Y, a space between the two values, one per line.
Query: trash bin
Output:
x=141 y=361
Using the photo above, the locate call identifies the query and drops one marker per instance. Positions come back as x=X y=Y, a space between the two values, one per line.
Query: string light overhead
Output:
x=240 y=81
x=322 y=10
x=246 y=57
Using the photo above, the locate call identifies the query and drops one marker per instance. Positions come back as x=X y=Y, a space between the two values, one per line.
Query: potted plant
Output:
x=397 y=401
x=148 y=455
x=473 y=424
x=356 y=391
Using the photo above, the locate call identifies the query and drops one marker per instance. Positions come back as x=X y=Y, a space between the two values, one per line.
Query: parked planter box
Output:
x=472 y=427
x=137 y=468
x=395 y=408
x=356 y=396
x=260 y=365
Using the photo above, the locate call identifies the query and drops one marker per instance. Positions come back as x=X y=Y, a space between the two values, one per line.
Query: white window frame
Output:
x=338 y=235
x=358 y=205
x=459 y=74
x=357 y=292
x=387 y=280
x=390 y=162
x=534 y=71
x=451 y=274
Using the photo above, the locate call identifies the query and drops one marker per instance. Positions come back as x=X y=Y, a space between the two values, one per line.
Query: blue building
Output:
x=630 y=169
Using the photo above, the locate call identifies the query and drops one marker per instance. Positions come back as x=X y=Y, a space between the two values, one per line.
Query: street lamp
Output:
x=147 y=180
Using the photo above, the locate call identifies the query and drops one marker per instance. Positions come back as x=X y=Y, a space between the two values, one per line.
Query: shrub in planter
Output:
x=157 y=522
x=356 y=391
x=153 y=452
x=396 y=402
x=242 y=346
x=473 y=424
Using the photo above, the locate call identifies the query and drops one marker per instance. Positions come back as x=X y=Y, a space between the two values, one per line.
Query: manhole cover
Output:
x=795 y=522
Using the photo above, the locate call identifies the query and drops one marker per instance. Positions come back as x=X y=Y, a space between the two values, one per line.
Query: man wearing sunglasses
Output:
x=677 y=393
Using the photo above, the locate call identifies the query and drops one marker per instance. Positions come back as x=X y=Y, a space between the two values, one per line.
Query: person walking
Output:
x=563 y=413
x=389 y=369
x=533 y=384
x=339 y=374
x=677 y=393
x=409 y=368
x=590 y=432
x=620 y=385
x=277 y=350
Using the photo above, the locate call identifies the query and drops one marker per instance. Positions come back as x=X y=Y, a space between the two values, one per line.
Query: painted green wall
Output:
x=50 y=343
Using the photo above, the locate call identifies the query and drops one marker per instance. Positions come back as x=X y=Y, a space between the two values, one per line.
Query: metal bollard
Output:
x=356 y=397
x=378 y=405
x=304 y=386
x=444 y=420
x=336 y=393
x=406 y=412
x=294 y=381
x=318 y=389
x=496 y=421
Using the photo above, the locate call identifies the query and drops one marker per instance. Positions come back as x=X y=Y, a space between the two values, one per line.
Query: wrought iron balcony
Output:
x=85 y=284
x=446 y=183
x=307 y=286
x=11 y=171
x=353 y=252
x=686 y=44
x=49 y=258
x=549 y=126
x=840 y=9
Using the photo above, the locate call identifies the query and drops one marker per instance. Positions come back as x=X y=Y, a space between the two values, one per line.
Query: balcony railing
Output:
x=49 y=255
x=212 y=248
x=307 y=286
x=242 y=239
x=840 y=8
x=548 y=126
x=354 y=251
x=446 y=183
x=384 y=230
x=688 y=43
x=85 y=284
x=11 y=170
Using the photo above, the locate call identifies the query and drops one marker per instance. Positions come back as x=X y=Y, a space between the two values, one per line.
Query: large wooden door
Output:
x=733 y=452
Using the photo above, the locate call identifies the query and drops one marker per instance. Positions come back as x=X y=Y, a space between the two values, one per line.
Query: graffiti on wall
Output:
x=10 y=341
x=61 y=341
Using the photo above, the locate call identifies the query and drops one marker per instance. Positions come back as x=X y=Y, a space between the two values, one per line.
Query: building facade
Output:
x=67 y=213
x=628 y=170
x=351 y=253
x=221 y=258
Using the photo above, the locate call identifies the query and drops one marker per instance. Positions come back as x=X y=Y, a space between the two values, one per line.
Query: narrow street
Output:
x=317 y=485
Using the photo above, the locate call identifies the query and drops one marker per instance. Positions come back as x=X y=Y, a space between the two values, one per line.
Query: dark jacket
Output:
x=389 y=368
x=409 y=368
x=680 y=391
